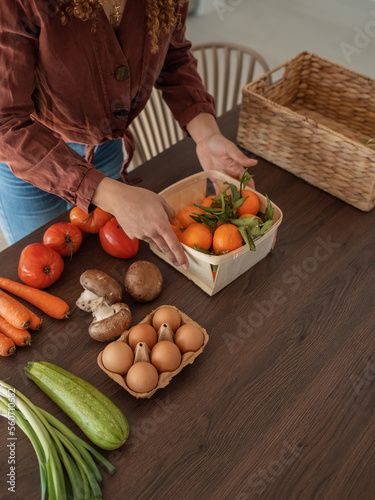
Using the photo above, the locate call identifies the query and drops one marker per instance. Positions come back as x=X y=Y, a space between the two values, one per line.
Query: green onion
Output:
x=68 y=465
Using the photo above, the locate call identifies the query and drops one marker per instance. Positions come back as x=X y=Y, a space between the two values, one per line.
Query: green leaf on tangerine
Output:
x=245 y=179
x=202 y=250
x=269 y=209
x=246 y=221
x=239 y=202
x=266 y=226
x=247 y=238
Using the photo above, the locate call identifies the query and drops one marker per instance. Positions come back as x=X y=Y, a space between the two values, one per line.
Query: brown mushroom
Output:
x=110 y=321
x=143 y=281
x=99 y=289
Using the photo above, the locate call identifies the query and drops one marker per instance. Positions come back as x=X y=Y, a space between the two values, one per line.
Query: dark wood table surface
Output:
x=281 y=403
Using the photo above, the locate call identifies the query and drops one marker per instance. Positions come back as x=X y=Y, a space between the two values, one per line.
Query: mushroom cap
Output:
x=102 y=285
x=143 y=281
x=110 y=321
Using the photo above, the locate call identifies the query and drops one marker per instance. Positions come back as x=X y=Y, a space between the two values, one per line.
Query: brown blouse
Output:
x=67 y=83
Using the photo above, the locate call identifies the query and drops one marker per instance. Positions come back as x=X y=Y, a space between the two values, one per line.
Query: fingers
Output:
x=166 y=240
x=233 y=161
x=172 y=248
x=245 y=161
x=240 y=157
x=152 y=223
x=169 y=211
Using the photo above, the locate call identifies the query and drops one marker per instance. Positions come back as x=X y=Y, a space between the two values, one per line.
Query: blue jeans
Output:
x=24 y=207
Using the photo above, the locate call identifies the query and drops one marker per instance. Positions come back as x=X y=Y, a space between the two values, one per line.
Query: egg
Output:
x=165 y=356
x=117 y=357
x=166 y=314
x=188 y=338
x=142 y=377
x=143 y=332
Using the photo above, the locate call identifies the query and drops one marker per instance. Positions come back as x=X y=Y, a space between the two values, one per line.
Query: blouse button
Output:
x=122 y=73
x=121 y=113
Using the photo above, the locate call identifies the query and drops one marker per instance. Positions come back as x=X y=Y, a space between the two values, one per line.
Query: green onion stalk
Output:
x=68 y=465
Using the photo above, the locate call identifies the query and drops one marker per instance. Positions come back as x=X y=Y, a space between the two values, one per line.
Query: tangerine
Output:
x=251 y=204
x=208 y=200
x=227 y=237
x=184 y=214
x=177 y=229
x=197 y=234
x=249 y=215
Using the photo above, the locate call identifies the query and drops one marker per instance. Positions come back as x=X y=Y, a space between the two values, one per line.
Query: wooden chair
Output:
x=224 y=68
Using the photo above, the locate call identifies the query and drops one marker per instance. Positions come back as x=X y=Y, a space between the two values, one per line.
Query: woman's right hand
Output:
x=142 y=214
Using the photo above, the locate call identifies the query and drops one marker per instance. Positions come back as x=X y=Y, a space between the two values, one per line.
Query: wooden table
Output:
x=281 y=403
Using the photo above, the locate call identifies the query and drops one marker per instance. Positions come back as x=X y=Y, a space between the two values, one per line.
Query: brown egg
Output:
x=143 y=332
x=188 y=338
x=117 y=357
x=166 y=314
x=142 y=377
x=165 y=356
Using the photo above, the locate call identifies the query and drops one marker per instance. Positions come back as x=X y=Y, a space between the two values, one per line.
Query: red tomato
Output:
x=64 y=237
x=116 y=242
x=89 y=223
x=39 y=265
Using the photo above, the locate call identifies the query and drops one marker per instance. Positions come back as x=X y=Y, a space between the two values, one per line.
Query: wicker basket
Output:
x=311 y=123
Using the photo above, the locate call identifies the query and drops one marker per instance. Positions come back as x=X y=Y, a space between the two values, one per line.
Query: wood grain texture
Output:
x=281 y=403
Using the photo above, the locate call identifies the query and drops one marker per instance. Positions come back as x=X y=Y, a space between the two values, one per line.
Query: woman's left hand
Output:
x=215 y=152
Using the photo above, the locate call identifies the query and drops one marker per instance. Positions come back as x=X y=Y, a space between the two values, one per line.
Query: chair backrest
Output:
x=154 y=129
x=224 y=68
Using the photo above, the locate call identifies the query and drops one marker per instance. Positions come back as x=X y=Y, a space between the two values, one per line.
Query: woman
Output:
x=73 y=76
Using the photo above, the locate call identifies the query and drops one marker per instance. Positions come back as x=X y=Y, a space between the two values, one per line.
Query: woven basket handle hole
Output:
x=275 y=76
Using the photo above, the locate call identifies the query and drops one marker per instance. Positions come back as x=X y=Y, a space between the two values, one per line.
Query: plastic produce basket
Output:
x=312 y=122
x=230 y=266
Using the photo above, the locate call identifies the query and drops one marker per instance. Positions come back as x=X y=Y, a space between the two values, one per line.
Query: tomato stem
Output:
x=69 y=241
x=87 y=219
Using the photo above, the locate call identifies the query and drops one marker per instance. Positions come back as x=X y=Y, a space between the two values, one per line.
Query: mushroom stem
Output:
x=89 y=300
x=103 y=311
x=109 y=322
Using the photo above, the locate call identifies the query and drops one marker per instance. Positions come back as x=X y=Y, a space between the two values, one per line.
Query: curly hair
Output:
x=161 y=15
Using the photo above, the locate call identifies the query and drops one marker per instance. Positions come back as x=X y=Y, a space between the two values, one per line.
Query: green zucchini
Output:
x=95 y=414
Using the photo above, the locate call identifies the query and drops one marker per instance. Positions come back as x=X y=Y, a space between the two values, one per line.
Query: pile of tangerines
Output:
x=222 y=223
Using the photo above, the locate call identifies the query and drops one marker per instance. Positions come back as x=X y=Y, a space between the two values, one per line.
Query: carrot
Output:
x=7 y=346
x=36 y=322
x=46 y=302
x=21 y=338
x=14 y=312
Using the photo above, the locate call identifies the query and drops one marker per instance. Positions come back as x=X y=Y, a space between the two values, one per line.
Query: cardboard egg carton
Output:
x=164 y=377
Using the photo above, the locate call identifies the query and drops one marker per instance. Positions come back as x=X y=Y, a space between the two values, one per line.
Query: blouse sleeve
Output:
x=179 y=81
x=32 y=151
